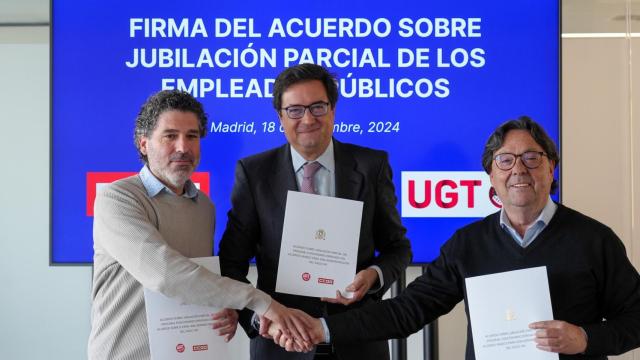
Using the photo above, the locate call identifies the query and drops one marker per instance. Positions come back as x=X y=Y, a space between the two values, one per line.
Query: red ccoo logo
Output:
x=325 y=281
x=180 y=348
x=203 y=347
x=306 y=276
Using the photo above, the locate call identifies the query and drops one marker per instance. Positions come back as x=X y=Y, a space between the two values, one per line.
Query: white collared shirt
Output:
x=325 y=178
x=155 y=186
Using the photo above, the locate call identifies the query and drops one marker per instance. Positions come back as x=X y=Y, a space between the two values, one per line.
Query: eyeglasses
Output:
x=530 y=159
x=295 y=112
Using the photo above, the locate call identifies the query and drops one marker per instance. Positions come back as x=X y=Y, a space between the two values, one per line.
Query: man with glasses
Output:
x=595 y=291
x=305 y=97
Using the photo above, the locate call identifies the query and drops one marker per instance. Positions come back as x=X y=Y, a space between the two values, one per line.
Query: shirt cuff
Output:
x=380 y=279
x=325 y=329
x=255 y=321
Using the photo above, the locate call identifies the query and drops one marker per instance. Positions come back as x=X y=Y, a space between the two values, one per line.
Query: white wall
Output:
x=43 y=310
x=601 y=136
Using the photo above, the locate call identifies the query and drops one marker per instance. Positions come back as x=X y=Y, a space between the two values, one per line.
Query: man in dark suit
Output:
x=305 y=97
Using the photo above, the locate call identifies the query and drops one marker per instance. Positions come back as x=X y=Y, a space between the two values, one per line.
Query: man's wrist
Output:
x=378 y=282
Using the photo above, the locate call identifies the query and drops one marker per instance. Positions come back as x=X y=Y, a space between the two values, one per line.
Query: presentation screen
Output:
x=427 y=81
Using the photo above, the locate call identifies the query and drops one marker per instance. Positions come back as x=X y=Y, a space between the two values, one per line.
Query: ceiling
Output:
x=578 y=16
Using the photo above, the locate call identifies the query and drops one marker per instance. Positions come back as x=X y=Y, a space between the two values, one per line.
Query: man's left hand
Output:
x=559 y=337
x=226 y=322
x=363 y=281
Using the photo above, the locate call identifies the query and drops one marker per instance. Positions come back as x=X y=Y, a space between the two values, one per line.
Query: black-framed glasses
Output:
x=530 y=159
x=295 y=112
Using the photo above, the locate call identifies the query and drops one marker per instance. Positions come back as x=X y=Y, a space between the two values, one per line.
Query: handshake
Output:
x=294 y=330
x=291 y=329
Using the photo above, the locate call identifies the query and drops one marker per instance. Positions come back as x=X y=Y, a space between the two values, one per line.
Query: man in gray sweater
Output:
x=147 y=226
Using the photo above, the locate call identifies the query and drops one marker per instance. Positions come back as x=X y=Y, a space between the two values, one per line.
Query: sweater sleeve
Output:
x=238 y=243
x=123 y=230
x=619 y=297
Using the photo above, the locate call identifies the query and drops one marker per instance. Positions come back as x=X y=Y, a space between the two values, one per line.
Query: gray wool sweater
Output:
x=143 y=241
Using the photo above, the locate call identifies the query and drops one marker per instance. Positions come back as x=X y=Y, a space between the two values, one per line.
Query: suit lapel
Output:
x=348 y=180
x=282 y=178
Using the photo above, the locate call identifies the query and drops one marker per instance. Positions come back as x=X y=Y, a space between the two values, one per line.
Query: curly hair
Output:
x=162 y=101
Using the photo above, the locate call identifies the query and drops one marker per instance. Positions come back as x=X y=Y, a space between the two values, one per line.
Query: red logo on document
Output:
x=97 y=179
x=180 y=348
x=306 y=276
x=203 y=347
x=325 y=281
x=493 y=197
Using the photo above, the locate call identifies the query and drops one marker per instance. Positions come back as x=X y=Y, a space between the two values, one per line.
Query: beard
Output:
x=175 y=175
x=178 y=177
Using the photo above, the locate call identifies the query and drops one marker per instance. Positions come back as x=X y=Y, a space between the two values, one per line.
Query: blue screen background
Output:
x=95 y=97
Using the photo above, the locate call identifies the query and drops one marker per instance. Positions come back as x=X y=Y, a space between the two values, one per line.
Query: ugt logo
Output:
x=446 y=194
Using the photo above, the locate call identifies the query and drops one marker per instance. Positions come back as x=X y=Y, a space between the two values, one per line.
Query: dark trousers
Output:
x=325 y=352
x=265 y=349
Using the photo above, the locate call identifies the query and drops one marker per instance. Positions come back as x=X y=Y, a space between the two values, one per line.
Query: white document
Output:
x=501 y=307
x=178 y=331
x=319 y=247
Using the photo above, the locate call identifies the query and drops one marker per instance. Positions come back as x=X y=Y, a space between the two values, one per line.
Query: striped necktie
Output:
x=309 y=170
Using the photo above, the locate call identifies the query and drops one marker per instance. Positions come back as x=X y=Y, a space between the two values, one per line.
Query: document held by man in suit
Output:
x=319 y=247
x=501 y=307
x=180 y=331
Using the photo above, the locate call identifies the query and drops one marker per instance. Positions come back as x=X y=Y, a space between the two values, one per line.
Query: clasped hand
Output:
x=292 y=329
x=299 y=331
x=308 y=337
